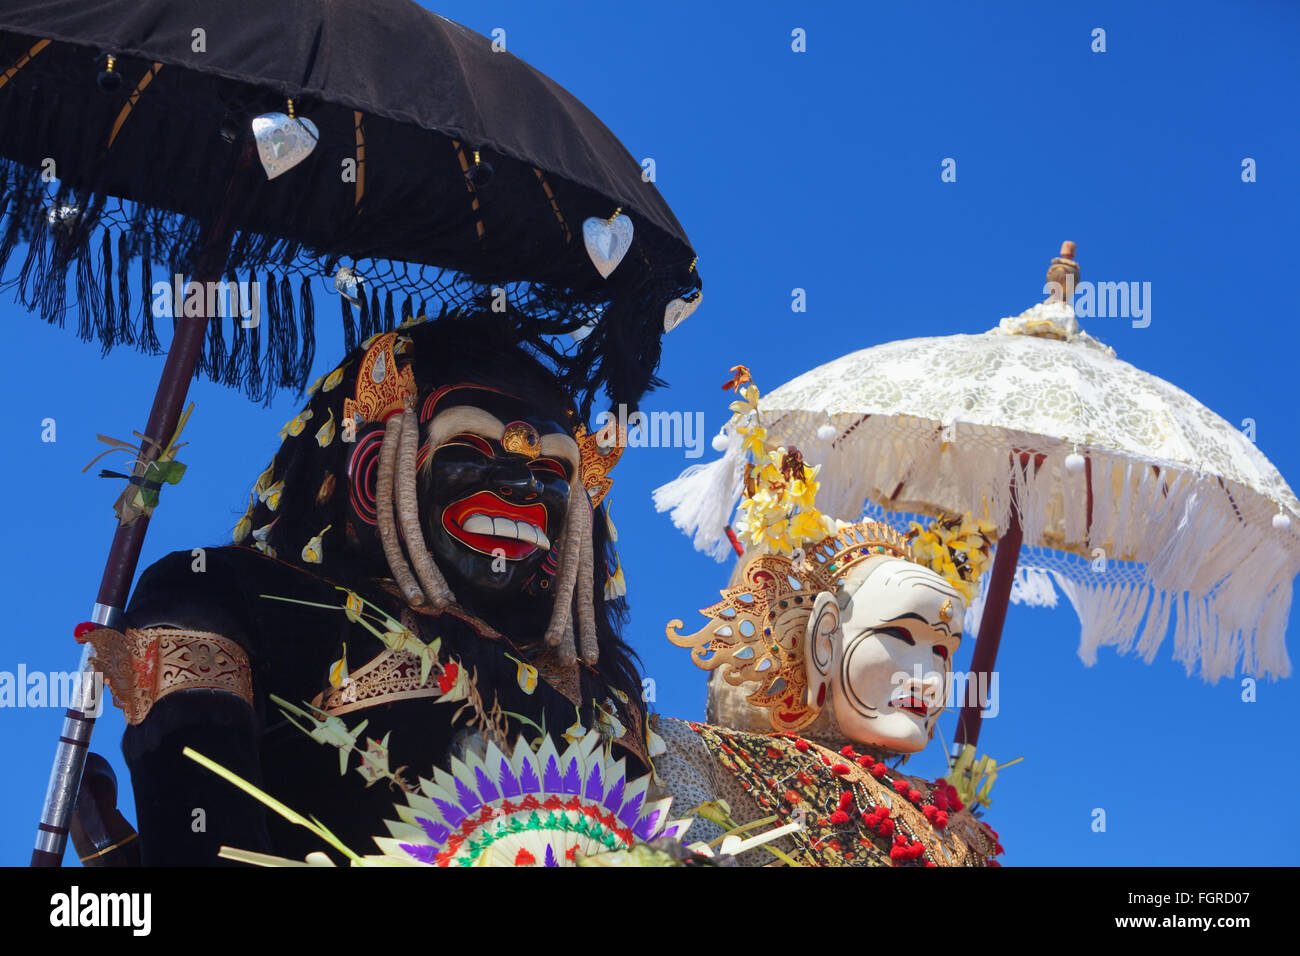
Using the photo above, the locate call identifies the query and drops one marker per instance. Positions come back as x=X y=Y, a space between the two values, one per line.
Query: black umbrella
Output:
x=369 y=145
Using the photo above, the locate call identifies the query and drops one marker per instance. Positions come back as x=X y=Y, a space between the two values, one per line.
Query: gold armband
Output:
x=143 y=666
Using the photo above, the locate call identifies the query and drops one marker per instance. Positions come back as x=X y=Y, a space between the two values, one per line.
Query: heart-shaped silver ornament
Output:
x=607 y=242
x=679 y=310
x=348 y=284
x=283 y=141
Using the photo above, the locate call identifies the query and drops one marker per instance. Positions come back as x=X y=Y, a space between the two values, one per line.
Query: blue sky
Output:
x=821 y=170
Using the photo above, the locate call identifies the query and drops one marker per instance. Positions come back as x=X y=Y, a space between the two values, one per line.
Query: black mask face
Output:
x=492 y=504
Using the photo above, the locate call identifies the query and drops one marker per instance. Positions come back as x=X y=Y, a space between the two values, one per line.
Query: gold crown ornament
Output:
x=382 y=388
x=600 y=452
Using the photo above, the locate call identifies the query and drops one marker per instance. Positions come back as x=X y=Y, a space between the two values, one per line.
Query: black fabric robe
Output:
x=290 y=649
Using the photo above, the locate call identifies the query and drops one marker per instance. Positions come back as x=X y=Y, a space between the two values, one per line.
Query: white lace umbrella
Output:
x=1144 y=507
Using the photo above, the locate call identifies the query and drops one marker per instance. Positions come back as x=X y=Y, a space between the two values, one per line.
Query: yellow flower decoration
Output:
x=525 y=675
x=755 y=439
x=332 y=380
x=295 y=425
x=264 y=479
x=325 y=434
x=243 y=528
x=576 y=732
x=352 y=607
x=778 y=510
x=314 y=550
x=339 y=669
x=616 y=583
x=270 y=496
x=610 y=727
x=654 y=743
x=957 y=548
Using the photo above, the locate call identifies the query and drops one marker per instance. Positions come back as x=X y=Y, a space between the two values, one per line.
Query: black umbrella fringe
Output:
x=110 y=250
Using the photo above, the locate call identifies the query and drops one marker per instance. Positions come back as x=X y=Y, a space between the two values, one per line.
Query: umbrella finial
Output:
x=1063 y=275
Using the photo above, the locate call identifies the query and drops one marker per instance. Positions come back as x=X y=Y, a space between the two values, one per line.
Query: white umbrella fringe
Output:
x=1182 y=550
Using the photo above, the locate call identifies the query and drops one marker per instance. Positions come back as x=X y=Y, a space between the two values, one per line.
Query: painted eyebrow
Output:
x=463 y=418
x=916 y=617
x=467 y=418
x=920 y=581
x=555 y=445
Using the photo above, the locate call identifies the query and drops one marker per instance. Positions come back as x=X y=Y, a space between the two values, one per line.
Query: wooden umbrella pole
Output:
x=124 y=554
x=1006 y=554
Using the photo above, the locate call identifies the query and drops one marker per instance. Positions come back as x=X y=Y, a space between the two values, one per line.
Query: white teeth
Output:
x=477 y=524
x=499 y=527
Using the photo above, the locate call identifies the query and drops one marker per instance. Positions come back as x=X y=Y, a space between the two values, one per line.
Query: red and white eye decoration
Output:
x=470 y=441
x=363 y=476
x=548 y=466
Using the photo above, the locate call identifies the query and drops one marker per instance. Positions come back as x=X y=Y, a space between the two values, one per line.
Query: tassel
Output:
x=364 y=324
x=87 y=292
x=232 y=373
x=423 y=308
x=13 y=220
x=406 y=310
x=275 y=335
x=213 y=363
x=52 y=285
x=286 y=342
x=307 y=309
x=253 y=370
x=376 y=314
x=148 y=334
x=349 y=325
x=390 y=320
x=33 y=265
x=127 y=333
x=109 y=334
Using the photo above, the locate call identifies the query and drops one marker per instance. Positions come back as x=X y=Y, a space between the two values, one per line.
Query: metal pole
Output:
x=1006 y=554
x=124 y=553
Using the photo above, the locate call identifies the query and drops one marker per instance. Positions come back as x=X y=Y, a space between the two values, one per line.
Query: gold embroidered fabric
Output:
x=799 y=779
x=142 y=666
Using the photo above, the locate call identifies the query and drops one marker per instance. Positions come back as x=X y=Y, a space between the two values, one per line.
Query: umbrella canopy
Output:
x=441 y=168
x=405 y=163
x=1143 y=506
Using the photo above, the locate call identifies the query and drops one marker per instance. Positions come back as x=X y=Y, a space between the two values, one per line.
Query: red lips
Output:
x=486 y=503
x=912 y=705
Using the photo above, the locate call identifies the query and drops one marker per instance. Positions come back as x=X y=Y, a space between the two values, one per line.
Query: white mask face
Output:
x=886 y=658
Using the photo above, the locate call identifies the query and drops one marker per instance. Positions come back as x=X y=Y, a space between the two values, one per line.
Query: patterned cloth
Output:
x=852 y=813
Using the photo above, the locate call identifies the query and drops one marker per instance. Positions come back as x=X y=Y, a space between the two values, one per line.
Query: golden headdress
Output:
x=756 y=630
x=757 y=627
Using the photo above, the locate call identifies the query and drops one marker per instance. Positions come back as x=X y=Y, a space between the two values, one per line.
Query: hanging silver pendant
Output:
x=679 y=310
x=348 y=284
x=283 y=141
x=607 y=242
